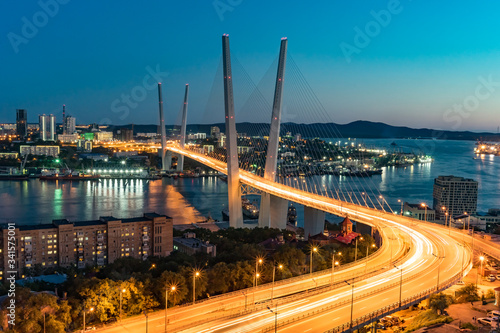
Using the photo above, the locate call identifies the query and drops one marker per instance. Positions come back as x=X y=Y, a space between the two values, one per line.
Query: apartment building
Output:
x=92 y=243
x=456 y=194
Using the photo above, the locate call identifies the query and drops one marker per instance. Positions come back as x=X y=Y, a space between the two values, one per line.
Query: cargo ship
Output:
x=74 y=176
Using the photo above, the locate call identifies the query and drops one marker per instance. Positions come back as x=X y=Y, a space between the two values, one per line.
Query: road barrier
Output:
x=381 y=312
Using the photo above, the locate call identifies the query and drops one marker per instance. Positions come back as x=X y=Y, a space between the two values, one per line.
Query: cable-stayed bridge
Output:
x=429 y=257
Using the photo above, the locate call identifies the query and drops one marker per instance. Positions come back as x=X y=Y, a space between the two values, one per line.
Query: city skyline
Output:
x=408 y=72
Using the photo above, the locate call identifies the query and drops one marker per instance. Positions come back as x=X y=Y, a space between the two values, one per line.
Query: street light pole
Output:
x=274 y=274
x=400 y=283
x=121 y=292
x=480 y=258
x=399 y=200
x=172 y=288
x=195 y=275
x=352 y=301
x=333 y=265
x=439 y=267
x=275 y=317
x=314 y=249
x=366 y=263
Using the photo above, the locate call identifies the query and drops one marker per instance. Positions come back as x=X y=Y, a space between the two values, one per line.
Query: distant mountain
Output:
x=356 y=129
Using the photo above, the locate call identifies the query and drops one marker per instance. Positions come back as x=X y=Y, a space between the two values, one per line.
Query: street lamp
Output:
x=482 y=259
x=172 y=289
x=334 y=263
x=401 y=201
x=439 y=267
x=352 y=300
x=356 y=249
x=400 y=283
x=121 y=293
x=446 y=216
x=366 y=263
x=275 y=317
x=425 y=206
x=274 y=273
x=84 y=310
x=382 y=204
x=195 y=275
x=257 y=262
x=313 y=249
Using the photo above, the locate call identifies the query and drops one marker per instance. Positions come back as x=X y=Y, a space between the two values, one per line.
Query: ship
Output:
x=73 y=176
x=250 y=210
x=6 y=176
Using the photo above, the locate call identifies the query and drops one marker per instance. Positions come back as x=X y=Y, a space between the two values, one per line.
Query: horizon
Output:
x=377 y=62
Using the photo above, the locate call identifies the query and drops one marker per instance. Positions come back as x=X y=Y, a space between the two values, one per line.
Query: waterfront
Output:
x=190 y=199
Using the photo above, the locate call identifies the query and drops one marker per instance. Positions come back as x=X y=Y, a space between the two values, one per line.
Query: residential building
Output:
x=87 y=243
x=197 y=136
x=21 y=123
x=458 y=195
x=124 y=134
x=103 y=136
x=190 y=245
x=40 y=150
x=47 y=127
x=419 y=211
x=8 y=155
x=69 y=125
x=68 y=138
x=215 y=132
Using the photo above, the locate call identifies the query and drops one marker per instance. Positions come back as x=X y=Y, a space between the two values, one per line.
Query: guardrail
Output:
x=394 y=307
x=358 y=322
x=286 y=299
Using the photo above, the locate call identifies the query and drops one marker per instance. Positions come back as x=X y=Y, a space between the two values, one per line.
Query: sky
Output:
x=405 y=63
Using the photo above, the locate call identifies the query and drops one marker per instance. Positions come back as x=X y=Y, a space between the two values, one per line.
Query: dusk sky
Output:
x=409 y=63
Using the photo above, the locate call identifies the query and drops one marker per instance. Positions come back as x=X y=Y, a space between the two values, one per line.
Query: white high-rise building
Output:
x=454 y=195
x=47 y=127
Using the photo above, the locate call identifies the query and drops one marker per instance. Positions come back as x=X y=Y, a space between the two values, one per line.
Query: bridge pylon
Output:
x=180 y=160
x=233 y=171
x=273 y=210
x=164 y=164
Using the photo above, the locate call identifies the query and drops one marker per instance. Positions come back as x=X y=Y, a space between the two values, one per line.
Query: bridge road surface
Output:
x=207 y=308
x=366 y=215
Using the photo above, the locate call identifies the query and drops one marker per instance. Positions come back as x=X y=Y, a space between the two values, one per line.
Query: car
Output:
x=491 y=278
x=493 y=314
x=461 y=282
x=498 y=276
x=488 y=321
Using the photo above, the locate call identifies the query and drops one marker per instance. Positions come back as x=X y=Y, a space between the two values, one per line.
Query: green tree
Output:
x=439 y=302
x=468 y=293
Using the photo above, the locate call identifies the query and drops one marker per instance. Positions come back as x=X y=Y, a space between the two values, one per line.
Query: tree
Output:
x=468 y=293
x=439 y=302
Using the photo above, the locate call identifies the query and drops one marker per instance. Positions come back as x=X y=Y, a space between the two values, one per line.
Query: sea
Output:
x=189 y=200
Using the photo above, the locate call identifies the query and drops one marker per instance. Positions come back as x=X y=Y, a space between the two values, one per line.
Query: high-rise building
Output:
x=69 y=125
x=21 y=123
x=124 y=134
x=215 y=132
x=455 y=195
x=47 y=127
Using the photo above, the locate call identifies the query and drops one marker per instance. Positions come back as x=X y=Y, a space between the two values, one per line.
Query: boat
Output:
x=250 y=210
x=13 y=177
x=74 y=176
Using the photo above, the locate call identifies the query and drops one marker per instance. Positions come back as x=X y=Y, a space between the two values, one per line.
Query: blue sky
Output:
x=426 y=64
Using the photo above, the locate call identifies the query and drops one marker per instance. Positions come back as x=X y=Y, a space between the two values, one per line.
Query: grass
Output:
x=427 y=318
x=468 y=326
